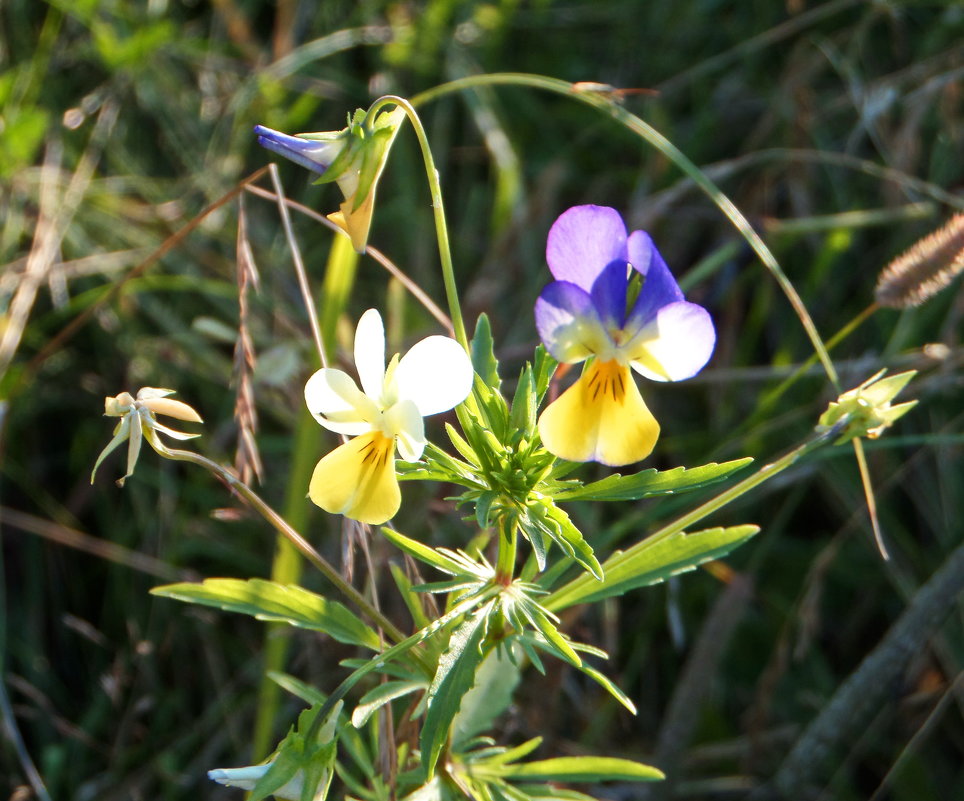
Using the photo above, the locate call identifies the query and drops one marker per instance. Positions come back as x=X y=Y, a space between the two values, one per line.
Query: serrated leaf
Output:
x=453 y=679
x=582 y=769
x=483 y=506
x=538 y=619
x=543 y=365
x=493 y=408
x=522 y=416
x=282 y=603
x=648 y=483
x=482 y=349
x=649 y=563
x=573 y=542
x=378 y=696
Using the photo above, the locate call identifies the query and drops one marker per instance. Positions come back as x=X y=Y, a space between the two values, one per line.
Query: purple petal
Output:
x=659 y=288
x=583 y=241
x=609 y=294
x=305 y=152
x=567 y=322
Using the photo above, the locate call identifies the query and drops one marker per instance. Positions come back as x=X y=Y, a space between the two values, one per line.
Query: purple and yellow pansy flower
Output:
x=615 y=305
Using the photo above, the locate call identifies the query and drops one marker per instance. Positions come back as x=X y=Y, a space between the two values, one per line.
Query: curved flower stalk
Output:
x=592 y=313
x=353 y=157
x=358 y=478
x=138 y=423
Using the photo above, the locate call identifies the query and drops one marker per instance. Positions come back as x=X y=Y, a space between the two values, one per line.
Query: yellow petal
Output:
x=356 y=221
x=358 y=480
x=600 y=418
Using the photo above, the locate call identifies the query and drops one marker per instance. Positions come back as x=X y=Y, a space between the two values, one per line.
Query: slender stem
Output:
x=571 y=592
x=771 y=397
x=280 y=525
x=305 y=289
x=441 y=228
x=508 y=542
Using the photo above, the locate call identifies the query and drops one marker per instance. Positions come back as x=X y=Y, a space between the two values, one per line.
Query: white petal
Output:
x=245 y=778
x=436 y=374
x=675 y=345
x=405 y=422
x=370 y=353
x=336 y=402
x=146 y=393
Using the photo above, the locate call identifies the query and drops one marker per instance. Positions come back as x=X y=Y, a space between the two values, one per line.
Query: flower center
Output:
x=378 y=450
x=606 y=378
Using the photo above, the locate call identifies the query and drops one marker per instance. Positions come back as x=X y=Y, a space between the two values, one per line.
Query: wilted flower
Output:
x=596 y=310
x=353 y=157
x=867 y=408
x=138 y=422
x=247 y=778
x=358 y=478
x=300 y=770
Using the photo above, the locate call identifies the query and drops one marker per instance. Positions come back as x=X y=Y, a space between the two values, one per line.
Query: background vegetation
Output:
x=836 y=127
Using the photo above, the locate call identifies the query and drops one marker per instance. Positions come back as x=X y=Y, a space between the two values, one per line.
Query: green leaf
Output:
x=455 y=676
x=524 y=404
x=495 y=682
x=651 y=562
x=412 y=599
x=378 y=696
x=543 y=366
x=648 y=483
x=297 y=687
x=572 y=541
x=483 y=354
x=558 y=642
x=454 y=563
x=606 y=683
x=283 y=603
x=582 y=769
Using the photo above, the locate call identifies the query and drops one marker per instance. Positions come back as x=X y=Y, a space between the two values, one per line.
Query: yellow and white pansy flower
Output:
x=137 y=423
x=358 y=478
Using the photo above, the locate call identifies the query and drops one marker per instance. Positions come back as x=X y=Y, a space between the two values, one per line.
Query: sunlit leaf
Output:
x=282 y=603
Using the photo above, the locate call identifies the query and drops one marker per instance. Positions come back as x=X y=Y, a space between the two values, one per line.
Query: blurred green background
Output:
x=836 y=127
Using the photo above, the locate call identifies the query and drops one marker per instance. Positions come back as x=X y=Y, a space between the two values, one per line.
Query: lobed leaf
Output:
x=648 y=483
x=649 y=563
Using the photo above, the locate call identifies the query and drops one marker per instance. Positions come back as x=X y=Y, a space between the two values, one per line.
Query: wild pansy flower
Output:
x=137 y=422
x=353 y=157
x=596 y=310
x=358 y=478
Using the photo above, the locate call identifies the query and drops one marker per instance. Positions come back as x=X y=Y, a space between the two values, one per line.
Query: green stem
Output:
x=570 y=593
x=441 y=228
x=605 y=103
x=299 y=542
x=508 y=542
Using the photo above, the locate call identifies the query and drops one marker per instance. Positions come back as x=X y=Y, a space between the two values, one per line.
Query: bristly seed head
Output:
x=925 y=269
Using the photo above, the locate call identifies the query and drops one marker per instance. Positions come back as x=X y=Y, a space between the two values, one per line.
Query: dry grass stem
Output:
x=247 y=459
